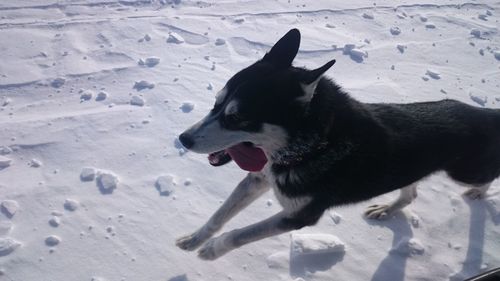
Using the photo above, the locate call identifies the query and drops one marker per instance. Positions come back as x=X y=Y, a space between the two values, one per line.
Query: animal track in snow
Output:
x=102 y=95
x=433 y=74
x=219 y=42
x=479 y=99
x=368 y=16
x=143 y=84
x=86 y=95
x=52 y=240
x=187 y=107
x=58 y=82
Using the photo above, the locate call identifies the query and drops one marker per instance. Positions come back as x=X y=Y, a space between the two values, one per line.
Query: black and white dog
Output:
x=300 y=134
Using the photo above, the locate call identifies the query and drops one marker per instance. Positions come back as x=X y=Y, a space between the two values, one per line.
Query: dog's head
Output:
x=256 y=111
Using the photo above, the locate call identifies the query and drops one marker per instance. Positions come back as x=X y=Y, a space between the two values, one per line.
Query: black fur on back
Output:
x=372 y=149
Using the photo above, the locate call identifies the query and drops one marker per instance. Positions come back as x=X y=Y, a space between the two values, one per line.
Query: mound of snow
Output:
x=107 y=182
x=8 y=245
x=175 y=38
x=9 y=207
x=88 y=174
x=150 y=61
x=166 y=184
x=4 y=162
x=305 y=244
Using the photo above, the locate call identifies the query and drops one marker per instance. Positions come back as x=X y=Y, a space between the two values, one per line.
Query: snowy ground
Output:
x=77 y=102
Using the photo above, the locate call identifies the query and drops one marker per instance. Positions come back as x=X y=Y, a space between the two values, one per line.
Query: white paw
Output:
x=475 y=193
x=213 y=249
x=378 y=212
x=190 y=242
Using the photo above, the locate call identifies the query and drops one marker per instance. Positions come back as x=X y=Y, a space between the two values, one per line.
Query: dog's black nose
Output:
x=186 y=140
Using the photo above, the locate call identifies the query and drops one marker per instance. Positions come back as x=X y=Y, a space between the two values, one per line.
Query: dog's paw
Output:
x=378 y=212
x=190 y=242
x=213 y=249
x=474 y=193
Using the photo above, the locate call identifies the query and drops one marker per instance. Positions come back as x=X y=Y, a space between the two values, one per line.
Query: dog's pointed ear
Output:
x=309 y=80
x=285 y=50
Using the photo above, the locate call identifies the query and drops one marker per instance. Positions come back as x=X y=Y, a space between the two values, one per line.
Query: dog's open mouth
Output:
x=245 y=154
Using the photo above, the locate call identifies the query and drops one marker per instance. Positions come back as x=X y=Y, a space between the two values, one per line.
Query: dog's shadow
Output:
x=474 y=257
x=393 y=265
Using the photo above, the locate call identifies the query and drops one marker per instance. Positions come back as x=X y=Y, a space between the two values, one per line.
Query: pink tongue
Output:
x=249 y=158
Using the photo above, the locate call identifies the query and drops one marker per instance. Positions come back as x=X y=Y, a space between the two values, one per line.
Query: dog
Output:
x=299 y=133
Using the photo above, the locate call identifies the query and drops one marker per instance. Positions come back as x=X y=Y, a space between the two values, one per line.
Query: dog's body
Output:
x=300 y=134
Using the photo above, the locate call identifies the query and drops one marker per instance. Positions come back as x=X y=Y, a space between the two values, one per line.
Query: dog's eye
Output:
x=234 y=119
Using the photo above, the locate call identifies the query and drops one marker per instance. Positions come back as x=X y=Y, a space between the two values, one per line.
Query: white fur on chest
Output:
x=290 y=204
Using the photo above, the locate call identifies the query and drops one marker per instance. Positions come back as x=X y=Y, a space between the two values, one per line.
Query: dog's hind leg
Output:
x=406 y=196
x=477 y=192
x=278 y=224
x=249 y=189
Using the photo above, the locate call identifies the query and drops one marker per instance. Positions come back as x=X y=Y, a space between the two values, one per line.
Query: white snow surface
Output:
x=52 y=51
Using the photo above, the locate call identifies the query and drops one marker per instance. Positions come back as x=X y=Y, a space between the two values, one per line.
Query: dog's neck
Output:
x=298 y=152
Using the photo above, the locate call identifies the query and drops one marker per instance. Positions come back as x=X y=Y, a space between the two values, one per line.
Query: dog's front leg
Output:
x=249 y=189
x=280 y=223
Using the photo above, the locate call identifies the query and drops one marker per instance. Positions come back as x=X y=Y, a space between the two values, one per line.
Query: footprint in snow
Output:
x=479 y=99
x=52 y=240
x=143 y=84
x=187 y=107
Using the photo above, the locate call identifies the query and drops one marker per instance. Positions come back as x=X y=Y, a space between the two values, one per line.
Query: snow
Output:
x=88 y=174
x=8 y=245
x=4 y=162
x=52 y=49
x=9 y=207
x=71 y=204
x=137 y=100
x=166 y=184
x=315 y=244
x=52 y=240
